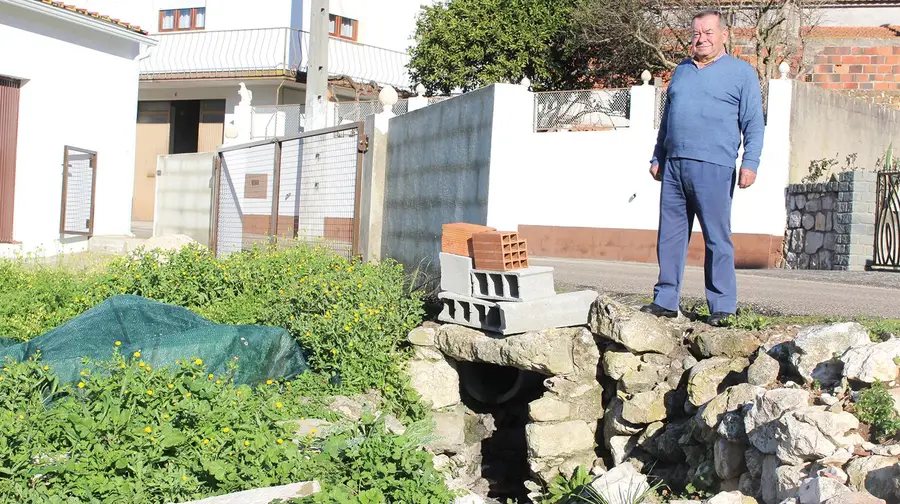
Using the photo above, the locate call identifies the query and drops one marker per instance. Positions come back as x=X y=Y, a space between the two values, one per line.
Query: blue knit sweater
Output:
x=706 y=112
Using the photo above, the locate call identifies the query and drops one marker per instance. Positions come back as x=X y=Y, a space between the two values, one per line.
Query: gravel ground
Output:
x=787 y=292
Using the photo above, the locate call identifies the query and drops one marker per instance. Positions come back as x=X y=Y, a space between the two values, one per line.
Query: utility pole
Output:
x=317 y=71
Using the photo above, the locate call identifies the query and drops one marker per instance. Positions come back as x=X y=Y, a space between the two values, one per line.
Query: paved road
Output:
x=789 y=292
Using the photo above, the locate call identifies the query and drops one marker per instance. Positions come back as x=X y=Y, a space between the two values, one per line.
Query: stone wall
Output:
x=831 y=225
x=761 y=416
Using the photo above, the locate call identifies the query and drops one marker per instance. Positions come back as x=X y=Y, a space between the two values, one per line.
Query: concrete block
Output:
x=562 y=310
x=525 y=284
x=456 y=273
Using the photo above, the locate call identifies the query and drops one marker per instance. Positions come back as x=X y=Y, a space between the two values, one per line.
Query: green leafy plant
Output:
x=351 y=318
x=565 y=489
x=876 y=407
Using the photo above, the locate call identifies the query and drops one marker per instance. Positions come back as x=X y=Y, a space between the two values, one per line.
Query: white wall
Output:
x=85 y=96
x=382 y=24
x=864 y=15
x=600 y=179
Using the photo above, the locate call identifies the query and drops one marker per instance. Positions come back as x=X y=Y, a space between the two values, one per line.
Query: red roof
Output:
x=94 y=15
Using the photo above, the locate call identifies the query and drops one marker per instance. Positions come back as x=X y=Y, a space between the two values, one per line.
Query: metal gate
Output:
x=78 y=192
x=315 y=178
x=887 y=220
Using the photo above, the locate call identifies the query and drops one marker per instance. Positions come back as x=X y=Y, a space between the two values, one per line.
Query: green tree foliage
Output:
x=468 y=44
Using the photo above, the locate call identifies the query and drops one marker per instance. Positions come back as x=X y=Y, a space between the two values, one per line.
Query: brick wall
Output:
x=831 y=225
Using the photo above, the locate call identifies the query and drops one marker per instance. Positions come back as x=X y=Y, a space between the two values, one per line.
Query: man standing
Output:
x=713 y=100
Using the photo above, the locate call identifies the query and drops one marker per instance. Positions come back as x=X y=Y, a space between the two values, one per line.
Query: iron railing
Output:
x=661 y=95
x=267 y=52
x=887 y=220
x=582 y=110
x=79 y=189
x=315 y=180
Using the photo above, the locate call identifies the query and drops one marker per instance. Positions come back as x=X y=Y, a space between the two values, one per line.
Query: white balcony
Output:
x=267 y=52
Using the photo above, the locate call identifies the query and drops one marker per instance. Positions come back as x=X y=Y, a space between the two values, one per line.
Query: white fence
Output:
x=582 y=110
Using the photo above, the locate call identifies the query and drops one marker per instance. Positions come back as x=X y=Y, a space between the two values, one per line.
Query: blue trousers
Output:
x=706 y=190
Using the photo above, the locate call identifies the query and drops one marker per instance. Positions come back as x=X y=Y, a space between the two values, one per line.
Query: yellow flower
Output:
x=279 y=441
x=346 y=328
x=235 y=357
x=268 y=382
x=148 y=368
x=239 y=393
x=171 y=386
x=334 y=351
x=122 y=365
x=149 y=391
x=118 y=343
x=246 y=443
x=278 y=405
x=226 y=430
x=218 y=382
x=46 y=368
x=281 y=291
x=187 y=395
x=148 y=429
x=141 y=364
x=152 y=438
x=184 y=478
x=166 y=416
x=312 y=431
x=2 y=377
x=198 y=362
x=206 y=441
x=21 y=417
x=137 y=354
x=81 y=384
x=210 y=376
x=83 y=373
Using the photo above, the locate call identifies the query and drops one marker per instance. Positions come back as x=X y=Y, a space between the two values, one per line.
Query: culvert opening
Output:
x=504 y=393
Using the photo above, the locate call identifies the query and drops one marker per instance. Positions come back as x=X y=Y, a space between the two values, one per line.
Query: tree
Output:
x=622 y=35
x=473 y=43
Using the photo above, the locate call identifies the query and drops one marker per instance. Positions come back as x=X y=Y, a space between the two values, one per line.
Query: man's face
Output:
x=709 y=37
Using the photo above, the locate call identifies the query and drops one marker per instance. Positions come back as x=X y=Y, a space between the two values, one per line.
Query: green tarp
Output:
x=163 y=334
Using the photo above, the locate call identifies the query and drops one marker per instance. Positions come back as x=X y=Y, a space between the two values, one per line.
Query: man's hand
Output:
x=747 y=178
x=655 y=173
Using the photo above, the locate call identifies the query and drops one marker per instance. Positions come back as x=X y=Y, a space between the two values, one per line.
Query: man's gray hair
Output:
x=711 y=12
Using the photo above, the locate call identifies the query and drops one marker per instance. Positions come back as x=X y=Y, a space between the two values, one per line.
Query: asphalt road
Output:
x=788 y=292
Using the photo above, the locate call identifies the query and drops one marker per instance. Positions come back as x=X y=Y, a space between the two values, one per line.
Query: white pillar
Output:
x=243 y=117
x=643 y=104
x=419 y=101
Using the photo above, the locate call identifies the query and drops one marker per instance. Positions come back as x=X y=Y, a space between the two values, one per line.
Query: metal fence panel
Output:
x=589 y=109
x=269 y=121
x=78 y=190
x=315 y=176
x=661 y=95
x=244 y=209
x=887 y=220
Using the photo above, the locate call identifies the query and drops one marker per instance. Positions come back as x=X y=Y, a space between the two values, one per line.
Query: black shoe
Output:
x=658 y=311
x=719 y=319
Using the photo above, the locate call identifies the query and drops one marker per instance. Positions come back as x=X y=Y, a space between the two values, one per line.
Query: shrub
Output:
x=351 y=318
x=876 y=407
x=129 y=433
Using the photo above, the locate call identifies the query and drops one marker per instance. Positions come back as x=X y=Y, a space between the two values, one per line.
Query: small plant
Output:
x=819 y=167
x=817 y=385
x=876 y=407
x=563 y=490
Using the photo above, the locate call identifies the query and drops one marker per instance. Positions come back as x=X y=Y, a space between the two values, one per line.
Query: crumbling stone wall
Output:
x=761 y=416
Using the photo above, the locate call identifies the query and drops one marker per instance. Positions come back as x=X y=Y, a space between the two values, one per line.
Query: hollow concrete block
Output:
x=561 y=310
x=456 y=273
x=535 y=282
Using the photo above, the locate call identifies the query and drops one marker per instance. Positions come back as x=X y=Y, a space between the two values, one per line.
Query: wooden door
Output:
x=212 y=125
x=9 y=128
x=152 y=141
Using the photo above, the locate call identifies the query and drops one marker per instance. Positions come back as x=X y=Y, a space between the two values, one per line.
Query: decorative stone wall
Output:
x=831 y=225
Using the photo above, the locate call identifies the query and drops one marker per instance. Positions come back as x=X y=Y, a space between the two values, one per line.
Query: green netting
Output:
x=163 y=334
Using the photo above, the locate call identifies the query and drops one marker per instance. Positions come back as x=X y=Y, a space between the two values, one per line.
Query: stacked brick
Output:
x=487 y=284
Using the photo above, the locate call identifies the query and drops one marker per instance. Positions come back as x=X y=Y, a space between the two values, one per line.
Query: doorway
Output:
x=185 y=126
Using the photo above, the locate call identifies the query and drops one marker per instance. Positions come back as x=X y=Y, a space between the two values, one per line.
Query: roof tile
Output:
x=95 y=15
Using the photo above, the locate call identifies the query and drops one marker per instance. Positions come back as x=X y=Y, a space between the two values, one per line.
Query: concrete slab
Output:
x=562 y=310
x=527 y=284
x=456 y=273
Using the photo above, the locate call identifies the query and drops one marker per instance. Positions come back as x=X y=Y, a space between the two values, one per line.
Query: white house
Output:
x=189 y=83
x=68 y=91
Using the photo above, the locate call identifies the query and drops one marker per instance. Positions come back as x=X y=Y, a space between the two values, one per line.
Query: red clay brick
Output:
x=824 y=69
x=841 y=69
x=879 y=60
x=850 y=85
x=860 y=77
x=834 y=60
x=870 y=68
x=842 y=50
x=856 y=69
x=832 y=85
x=884 y=86
x=847 y=78
x=884 y=50
x=896 y=49
x=871 y=50
x=856 y=50
x=821 y=78
x=866 y=85
x=892 y=60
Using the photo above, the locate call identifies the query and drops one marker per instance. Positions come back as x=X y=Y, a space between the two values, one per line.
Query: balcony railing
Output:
x=267 y=52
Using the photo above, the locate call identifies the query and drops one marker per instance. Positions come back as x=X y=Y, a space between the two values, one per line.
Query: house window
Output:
x=182 y=19
x=343 y=27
